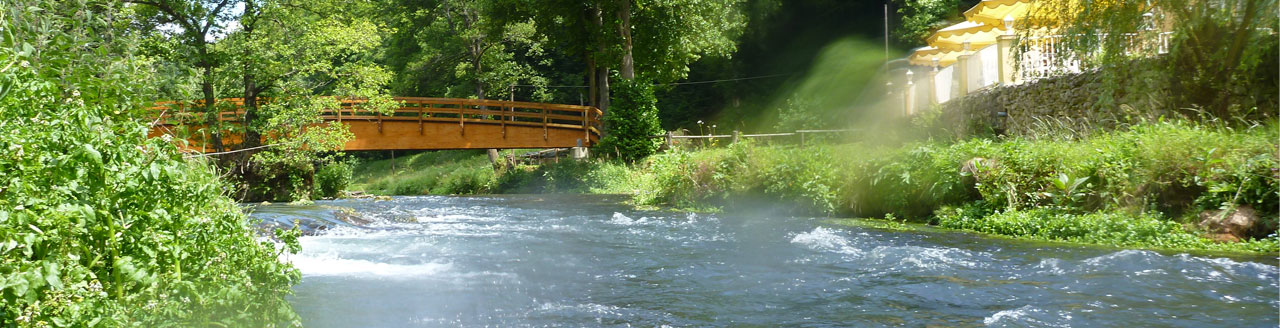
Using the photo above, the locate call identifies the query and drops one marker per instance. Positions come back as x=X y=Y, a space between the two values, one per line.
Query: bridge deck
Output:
x=420 y=123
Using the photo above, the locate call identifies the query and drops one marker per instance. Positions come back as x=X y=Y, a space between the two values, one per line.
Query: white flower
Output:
x=699 y=122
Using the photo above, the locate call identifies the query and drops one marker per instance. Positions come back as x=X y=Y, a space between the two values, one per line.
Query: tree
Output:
x=199 y=23
x=669 y=35
x=1221 y=55
x=461 y=49
x=920 y=18
x=305 y=56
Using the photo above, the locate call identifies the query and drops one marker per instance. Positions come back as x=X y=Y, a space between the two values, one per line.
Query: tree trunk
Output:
x=602 y=80
x=252 y=137
x=602 y=71
x=593 y=95
x=628 y=70
x=206 y=86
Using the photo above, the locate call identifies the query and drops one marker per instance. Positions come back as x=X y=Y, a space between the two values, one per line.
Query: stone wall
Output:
x=1074 y=102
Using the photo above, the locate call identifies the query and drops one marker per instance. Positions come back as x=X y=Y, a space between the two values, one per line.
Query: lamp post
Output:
x=908 y=95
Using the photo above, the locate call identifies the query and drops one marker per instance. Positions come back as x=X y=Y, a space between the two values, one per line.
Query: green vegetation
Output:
x=1140 y=187
x=632 y=122
x=1220 y=62
x=427 y=173
x=101 y=226
x=333 y=179
x=1104 y=228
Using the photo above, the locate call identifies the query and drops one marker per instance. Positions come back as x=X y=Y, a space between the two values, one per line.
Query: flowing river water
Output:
x=587 y=260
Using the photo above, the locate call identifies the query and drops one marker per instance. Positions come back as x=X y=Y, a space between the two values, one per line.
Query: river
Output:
x=587 y=260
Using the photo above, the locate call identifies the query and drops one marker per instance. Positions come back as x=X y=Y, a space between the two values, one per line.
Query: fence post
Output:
x=736 y=134
x=670 y=140
x=1004 y=51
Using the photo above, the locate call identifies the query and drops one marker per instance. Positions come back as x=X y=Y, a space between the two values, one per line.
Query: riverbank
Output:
x=1144 y=187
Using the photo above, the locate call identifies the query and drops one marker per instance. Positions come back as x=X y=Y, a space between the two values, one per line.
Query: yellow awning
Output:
x=993 y=12
x=953 y=37
x=924 y=56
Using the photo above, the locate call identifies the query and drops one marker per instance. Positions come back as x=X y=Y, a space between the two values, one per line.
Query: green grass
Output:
x=428 y=173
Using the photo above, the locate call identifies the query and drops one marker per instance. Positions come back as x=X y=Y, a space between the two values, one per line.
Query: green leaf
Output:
x=52 y=275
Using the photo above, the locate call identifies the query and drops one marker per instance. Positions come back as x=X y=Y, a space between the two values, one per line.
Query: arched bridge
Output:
x=418 y=124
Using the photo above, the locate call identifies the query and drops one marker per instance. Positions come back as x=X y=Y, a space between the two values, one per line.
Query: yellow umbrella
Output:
x=925 y=56
x=976 y=34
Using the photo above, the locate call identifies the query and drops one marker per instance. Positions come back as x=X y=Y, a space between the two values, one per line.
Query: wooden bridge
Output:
x=418 y=124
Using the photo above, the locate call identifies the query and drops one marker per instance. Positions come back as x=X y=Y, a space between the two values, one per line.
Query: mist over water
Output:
x=584 y=260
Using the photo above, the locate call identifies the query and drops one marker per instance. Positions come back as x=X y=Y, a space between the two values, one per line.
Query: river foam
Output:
x=331 y=265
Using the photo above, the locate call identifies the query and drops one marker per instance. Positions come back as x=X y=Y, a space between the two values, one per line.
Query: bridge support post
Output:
x=580 y=152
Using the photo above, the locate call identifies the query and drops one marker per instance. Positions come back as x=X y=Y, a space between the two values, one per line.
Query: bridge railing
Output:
x=413 y=109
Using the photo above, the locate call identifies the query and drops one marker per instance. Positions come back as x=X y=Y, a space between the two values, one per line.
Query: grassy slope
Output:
x=439 y=172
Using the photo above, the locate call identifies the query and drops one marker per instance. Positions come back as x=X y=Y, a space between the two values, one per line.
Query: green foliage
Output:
x=305 y=59
x=920 y=18
x=427 y=173
x=630 y=123
x=332 y=179
x=1221 y=54
x=463 y=49
x=798 y=114
x=101 y=226
x=1161 y=171
x=1103 y=228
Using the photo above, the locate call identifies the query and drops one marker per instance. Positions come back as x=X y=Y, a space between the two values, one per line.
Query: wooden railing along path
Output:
x=422 y=123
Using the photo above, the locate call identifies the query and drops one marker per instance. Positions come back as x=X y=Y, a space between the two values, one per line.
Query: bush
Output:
x=99 y=225
x=331 y=180
x=1105 y=228
x=631 y=121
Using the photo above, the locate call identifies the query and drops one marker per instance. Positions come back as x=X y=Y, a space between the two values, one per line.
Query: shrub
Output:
x=631 y=121
x=332 y=179
x=1105 y=228
x=99 y=225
